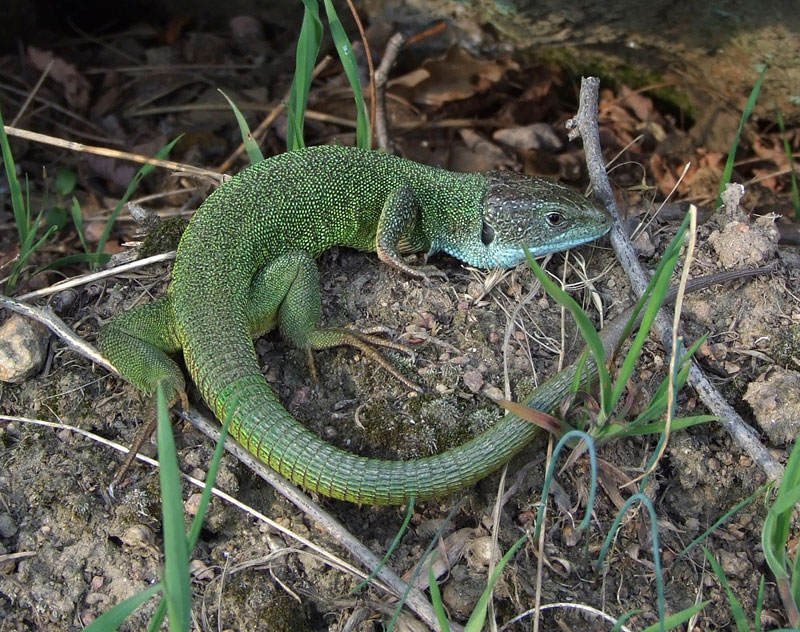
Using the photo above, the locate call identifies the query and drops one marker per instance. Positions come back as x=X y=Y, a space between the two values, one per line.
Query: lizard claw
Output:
x=366 y=343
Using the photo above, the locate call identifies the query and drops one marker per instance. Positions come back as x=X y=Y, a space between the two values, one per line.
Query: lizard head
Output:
x=540 y=213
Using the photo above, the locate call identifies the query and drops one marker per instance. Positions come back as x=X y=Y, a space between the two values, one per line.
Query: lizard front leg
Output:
x=399 y=231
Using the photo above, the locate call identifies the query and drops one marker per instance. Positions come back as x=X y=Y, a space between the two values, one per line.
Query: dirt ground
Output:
x=77 y=553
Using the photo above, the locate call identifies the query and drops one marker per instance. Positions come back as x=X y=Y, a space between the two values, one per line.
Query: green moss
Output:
x=482 y=419
x=524 y=386
x=251 y=595
x=581 y=62
x=786 y=346
x=163 y=237
x=429 y=425
x=283 y=614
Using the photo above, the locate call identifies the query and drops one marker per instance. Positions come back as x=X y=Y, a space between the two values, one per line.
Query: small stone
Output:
x=461 y=595
x=192 y=504
x=138 y=535
x=473 y=380
x=479 y=553
x=8 y=528
x=22 y=349
x=735 y=564
x=198 y=473
x=200 y=570
x=644 y=245
x=775 y=400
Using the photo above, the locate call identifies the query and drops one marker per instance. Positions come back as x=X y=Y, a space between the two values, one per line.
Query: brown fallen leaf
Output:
x=76 y=86
x=455 y=76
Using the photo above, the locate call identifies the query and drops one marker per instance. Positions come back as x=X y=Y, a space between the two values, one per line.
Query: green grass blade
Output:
x=681 y=423
x=579 y=366
x=624 y=619
x=436 y=599
x=17 y=203
x=177 y=587
x=308 y=44
x=92 y=258
x=211 y=477
x=420 y=565
x=111 y=620
x=643 y=500
x=658 y=287
x=590 y=447
x=584 y=324
x=395 y=543
x=759 y=605
x=748 y=108
x=77 y=219
x=158 y=617
x=29 y=246
x=736 y=606
x=793 y=175
x=146 y=169
x=659 y=400
x=478 y=616
x=674 y=246
x=250 y=144
x=775 y=532
x=348 y=59
x=679 y=618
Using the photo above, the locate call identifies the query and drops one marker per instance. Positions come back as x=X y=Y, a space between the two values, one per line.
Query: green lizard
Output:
x=246 y=264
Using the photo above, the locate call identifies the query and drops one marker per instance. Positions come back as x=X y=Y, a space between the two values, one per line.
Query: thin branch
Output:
x=96 y=276
x=111 y=153
x=47 y=317
x=33 y=92
x=416 y=600
x=585 y=125
x=393 y=47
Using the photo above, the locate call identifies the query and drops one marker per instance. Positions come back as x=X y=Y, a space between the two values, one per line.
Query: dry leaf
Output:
x=76 y=86
x=457 y=75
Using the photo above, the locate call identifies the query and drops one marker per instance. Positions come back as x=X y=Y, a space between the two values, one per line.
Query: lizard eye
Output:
x=554 y=218
x=487 y=234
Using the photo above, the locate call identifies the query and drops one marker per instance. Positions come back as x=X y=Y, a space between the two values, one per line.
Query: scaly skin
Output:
x=246 y=263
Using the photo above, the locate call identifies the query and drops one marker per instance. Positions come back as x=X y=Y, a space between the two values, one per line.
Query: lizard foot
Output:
x=145 y=432
x=365 y=342
x=374 y=336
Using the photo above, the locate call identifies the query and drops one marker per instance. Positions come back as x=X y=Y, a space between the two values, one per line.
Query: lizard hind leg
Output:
x=287 y=293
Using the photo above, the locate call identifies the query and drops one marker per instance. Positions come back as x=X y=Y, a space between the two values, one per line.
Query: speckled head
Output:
x=540 y=213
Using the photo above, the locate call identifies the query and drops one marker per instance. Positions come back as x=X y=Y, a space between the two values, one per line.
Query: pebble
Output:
x=473 y=380
x=138 y=535
x=8 y=528
x=22 y=349
x=775 y=400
